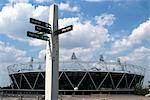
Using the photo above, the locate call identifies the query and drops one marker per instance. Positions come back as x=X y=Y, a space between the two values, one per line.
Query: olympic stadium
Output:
x=80 y=77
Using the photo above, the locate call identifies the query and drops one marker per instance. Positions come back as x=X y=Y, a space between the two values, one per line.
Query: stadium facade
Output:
x=80 y=77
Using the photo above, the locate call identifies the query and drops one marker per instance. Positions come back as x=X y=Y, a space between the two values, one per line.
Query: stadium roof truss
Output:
x=23 y=79
x=75 y=75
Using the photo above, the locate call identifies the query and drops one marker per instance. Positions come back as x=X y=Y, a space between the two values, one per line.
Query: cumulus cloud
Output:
x=83 y=54
x=68 y=7
x=42 y=54
x=65 y=54
x=14 y=20
x=139 y=34
x=41 y=13
x=18 y=1
x=36 y=42
x=9 y=55
x=94 y=0
x=1 y=43
x=15 y=27
x=105 y=19
x=86 y=38
x=90 y=35
x=4 y=76
x=140 y=56
x=42 y=1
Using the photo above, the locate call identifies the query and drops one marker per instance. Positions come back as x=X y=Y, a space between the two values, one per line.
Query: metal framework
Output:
x=80 y=76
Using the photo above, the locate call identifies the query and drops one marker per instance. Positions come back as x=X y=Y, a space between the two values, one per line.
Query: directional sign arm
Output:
x=63 y=30
x=42 y=29
x=38 y=22
x=37 y=36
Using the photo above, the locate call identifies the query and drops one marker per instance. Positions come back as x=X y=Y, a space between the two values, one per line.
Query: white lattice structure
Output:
x=79 y=76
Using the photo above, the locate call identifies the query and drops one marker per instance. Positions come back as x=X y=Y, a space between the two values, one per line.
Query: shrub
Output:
x=138 y=90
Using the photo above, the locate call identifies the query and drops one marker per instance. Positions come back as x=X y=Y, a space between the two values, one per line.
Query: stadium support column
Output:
x=52 y=57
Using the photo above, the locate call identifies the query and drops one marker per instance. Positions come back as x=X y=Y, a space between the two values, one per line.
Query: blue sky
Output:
x=114 y=28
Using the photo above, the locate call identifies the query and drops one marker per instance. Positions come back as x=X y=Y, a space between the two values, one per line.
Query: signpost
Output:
x=37 y=36
x=41 y=29
x=38 y=22
x=50 y=33
x=63 y=30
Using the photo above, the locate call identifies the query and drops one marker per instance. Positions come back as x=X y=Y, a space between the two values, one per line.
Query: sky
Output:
x=112 y=28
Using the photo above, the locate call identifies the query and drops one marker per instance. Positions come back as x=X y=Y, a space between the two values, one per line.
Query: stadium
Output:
x=79 y=77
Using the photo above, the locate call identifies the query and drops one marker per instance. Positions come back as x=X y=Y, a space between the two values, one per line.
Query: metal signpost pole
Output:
x=52 y=58
x=49 y=32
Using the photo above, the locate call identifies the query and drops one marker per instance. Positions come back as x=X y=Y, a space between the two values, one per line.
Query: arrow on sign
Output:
x=63 y=30
x=42 y=29
x=37 y=36
x=38 y=22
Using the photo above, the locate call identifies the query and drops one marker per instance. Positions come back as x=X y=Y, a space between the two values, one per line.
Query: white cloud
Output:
x=16 y=27
x=85 y=39
x=42 y=54
x=140 y=56
x=41 y=12
x=93 y=0
x=139 y=34
x=41 y=1
x=18 y=1
x=83 y=54
x=4 y=76
x=9 y=55
x=1 y=43
x=36 y=42
x=14 y=20
x=84 y=34
x=68 y=7
x=105 y=19
x=65 y=54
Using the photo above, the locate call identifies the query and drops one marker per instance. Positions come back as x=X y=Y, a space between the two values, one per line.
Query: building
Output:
x=80 y=77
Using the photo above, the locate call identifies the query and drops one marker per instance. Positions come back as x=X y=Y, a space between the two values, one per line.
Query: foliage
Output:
x=138 y=90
